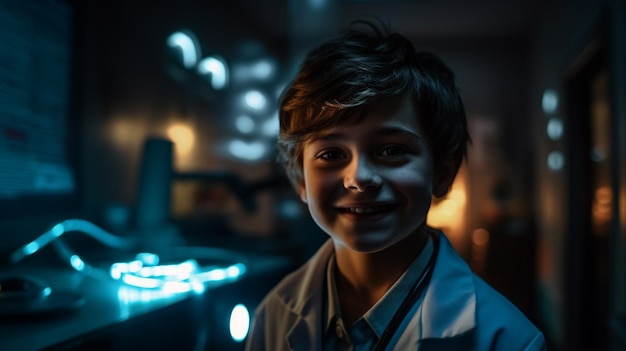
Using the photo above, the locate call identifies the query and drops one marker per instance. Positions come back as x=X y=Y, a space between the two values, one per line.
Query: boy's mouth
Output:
x=366 y=210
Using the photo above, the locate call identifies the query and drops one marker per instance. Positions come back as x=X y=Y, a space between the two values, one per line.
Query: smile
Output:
x=369 y=210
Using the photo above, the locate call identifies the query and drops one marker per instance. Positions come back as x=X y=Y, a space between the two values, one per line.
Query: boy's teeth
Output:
x=364 y=210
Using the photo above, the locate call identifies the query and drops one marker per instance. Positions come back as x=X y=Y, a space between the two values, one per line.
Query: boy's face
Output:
x=369 y=184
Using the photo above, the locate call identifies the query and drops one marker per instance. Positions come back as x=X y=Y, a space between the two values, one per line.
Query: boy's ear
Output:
x=302 y=192
x=443 y=177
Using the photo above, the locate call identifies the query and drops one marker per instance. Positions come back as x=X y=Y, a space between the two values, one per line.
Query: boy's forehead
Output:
x=398 y=109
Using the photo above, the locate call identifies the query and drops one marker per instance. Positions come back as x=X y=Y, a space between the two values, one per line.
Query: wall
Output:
x=132 y=91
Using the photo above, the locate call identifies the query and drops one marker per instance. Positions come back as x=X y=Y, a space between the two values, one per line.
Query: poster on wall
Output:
x=35 y=79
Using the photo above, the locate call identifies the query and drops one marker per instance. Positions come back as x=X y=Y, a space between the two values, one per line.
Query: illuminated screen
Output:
x=36 y=129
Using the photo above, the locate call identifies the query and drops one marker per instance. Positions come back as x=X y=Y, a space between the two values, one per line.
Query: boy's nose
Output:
x=361 y=175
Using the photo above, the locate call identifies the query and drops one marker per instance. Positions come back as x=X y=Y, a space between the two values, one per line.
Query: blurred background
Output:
x=156 y=121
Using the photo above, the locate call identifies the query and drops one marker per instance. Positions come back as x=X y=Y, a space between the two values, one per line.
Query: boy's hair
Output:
x=340 y=78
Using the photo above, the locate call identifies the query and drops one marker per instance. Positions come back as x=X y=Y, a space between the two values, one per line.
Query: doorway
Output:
x=590 y=202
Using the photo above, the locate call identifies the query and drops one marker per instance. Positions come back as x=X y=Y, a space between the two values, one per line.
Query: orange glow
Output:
x=480 y=249
x=123 y=131
x=449 y=212
x=480 y=237
x=601 y=211
x=183 y=137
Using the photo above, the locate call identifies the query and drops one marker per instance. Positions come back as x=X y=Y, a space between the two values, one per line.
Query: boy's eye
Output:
x=331 y=155
x=392 y=151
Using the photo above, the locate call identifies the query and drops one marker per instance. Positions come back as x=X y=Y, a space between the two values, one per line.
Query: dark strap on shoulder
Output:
x=411 y=298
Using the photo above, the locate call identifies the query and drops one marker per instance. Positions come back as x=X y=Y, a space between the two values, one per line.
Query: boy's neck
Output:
x=363 y=278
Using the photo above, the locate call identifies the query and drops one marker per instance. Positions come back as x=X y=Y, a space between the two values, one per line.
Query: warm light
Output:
x=124 y=130
x=183 y=137
x=448 y=207
x=480 y=237
x=448 y=213
x=479 y=250
x=602 y=206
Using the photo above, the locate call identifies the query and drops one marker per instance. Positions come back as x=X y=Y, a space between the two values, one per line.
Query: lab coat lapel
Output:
x=306 y=333
x=449 y=306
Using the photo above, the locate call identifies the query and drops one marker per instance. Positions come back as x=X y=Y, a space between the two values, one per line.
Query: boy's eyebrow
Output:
x=382 y=132
x=386 y=131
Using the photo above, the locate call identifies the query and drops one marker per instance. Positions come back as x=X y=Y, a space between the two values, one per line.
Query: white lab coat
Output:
x=459 y=311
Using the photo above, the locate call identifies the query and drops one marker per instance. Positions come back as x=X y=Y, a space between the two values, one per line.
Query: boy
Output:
x=369 y=131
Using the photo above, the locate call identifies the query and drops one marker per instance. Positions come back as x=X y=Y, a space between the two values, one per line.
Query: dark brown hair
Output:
x=365 y=65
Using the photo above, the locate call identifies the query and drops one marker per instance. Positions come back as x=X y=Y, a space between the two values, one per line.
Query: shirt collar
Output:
x=379 y=316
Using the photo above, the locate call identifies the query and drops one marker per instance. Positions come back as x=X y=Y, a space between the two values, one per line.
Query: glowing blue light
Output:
x=188 y=48
x=239 y=322
x=58 y=230
x=289 y=209
x=549 y=101
x=129 y=297
x=219 y=274
x=255 y=99
x=556 y=160
x=30 y=248
x=141 y=282
x=247 y=151
x=68 y=226
x=236 y=270
x=135 y=266
x=77 y=263
x=215 y=275
x=176 y=287
x=148 y=258
x=216 y=69
x=318 y=4
x=244 y=124
x=262 y=69
x=186 y=276
x=179 y=271
x=117 y=269
x=270 y=127
x=554 y=128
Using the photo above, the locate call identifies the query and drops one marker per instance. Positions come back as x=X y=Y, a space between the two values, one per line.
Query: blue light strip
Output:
x=71 y=225
x=144 y=271
x=181 y=277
